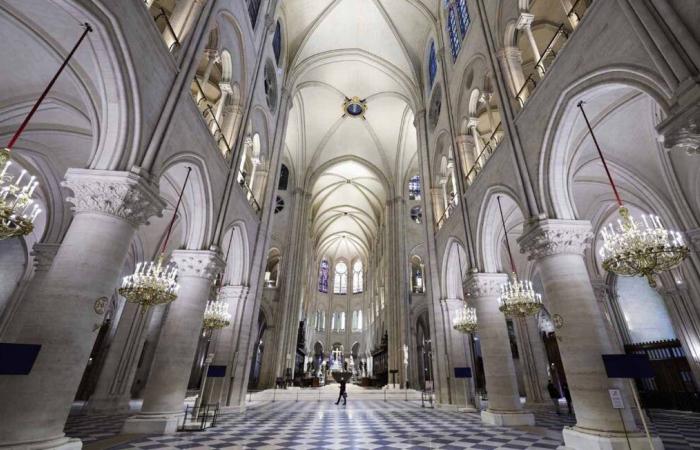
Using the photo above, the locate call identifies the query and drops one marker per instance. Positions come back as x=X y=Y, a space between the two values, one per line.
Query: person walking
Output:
x=567 y=396
x=554 y=395
x=342 y=394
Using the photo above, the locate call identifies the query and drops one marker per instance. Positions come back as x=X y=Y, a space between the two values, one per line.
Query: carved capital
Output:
x=478 y=285
x=198 y=263
x=43 y=254
x=552 y=237
x=472 y=122
x=524 y=20
x=120 y=194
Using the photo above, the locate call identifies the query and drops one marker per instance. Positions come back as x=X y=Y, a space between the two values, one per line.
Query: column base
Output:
x=507 y=418
x=575 y=439
x=152 y=424
x=107 y=406
x=233 y=409
x=62 y=443
x=468 y=409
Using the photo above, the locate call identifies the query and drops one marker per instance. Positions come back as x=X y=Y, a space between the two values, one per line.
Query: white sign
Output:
x=616 y=399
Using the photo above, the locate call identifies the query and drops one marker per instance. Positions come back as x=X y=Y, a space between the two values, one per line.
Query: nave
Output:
x=367 y=422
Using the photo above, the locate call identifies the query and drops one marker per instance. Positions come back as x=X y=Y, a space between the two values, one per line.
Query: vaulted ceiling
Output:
x=373 y=50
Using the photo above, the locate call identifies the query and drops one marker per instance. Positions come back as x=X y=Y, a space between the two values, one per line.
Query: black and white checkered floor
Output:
x=366 y=425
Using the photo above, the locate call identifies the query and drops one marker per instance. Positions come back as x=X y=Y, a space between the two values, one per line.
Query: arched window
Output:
x=323 y=277
x=341 y=326
x=253 y=9
x=357 y=320
x=284 y=178
x=414 y=188
x=357 y=277
x=417 y=275
x=320 y=320
x=334 y=321
x=432 y=64
x=464 y=19
x=277 y=42
x=340 y=282
x=452 y=31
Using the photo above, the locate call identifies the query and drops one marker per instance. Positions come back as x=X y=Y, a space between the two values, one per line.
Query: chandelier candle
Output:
x=18 y=210
x=629 y=249
x=466 y=321
x=154 y=283
x=518 y=298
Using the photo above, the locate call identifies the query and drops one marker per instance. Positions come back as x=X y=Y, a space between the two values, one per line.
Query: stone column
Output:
x=478 y=145
x=163 y=402
x=44 y=254
x=504 y=408
x=525 y=24
x=512 y=60
x=558 y=246
x=113 y=390
x=533 y=360
x=465 y=152
x=453 y=173
x=63 y=313
x=216 y=390
x=459 y=355
x=686 y=323
x=182 y=20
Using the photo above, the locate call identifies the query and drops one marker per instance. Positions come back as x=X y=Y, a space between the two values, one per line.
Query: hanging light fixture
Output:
x=637 y=248
x=466 y=321
x=154 y=283
x=18 y=209
x=518 y=298
x=216 y=314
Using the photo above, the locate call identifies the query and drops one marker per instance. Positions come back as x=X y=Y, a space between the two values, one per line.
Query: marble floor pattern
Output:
x=366 y=425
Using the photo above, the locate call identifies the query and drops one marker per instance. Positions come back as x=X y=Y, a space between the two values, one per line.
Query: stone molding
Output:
x=233 y=293
x=693 y=236
x=124 y=195
x=43 y=254
x=198 y=263
x=479 y=285
x=553 y=237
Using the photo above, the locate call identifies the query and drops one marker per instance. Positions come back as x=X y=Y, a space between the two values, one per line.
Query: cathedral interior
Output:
x=475 y=223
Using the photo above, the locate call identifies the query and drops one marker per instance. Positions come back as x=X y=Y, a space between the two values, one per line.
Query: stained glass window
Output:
x=414 y=188
x=464 y=19
x=340 y=282
x=284 y=178
x=432 y=64
x=253 y=9
x=454 y=34
x=323 y=277
x=357 y=277
x=277 y=43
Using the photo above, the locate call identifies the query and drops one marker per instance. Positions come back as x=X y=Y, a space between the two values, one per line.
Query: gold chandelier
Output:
x=466 y=321
x=154 y=283
x=18 y=210
x=216 y=315
x=518 y=298
x=633 y=249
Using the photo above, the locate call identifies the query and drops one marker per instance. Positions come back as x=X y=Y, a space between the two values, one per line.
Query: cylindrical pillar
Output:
x=504 y=408
x=163 y=402
x=62 y=313
x=558 y=246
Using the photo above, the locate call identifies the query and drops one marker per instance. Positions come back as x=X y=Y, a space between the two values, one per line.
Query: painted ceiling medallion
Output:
x=355 y=107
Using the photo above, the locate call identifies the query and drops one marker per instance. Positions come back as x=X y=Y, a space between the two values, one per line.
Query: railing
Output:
x=248 y=193
x=210 y=119
x=168 y=26
x=542 y=65
x=199 y=418
x=577 y=11
x=448 y=212
x=491 y=144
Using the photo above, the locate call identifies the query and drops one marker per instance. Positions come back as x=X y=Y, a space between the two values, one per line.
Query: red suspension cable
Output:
x=177 y=207
x=21 y=128
x=600 y=153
